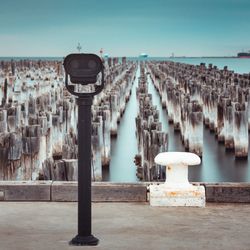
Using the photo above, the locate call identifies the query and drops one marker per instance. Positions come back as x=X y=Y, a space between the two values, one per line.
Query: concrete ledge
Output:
x=1 y=195
x=228 y=192
x=107 y=191
x=64 y=191
x=101 y=192
x=25 y=190
x=124 y=192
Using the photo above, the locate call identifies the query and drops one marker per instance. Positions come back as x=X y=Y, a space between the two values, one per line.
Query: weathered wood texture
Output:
x=107 y=111
x=222 y=98
x=38 y=118
x=30 y=110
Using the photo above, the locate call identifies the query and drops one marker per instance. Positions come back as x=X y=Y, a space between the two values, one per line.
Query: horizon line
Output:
x=149 y=56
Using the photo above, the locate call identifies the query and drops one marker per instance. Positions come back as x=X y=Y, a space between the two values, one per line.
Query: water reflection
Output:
x=124 y=147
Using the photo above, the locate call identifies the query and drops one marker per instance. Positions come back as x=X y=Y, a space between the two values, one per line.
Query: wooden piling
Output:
x=240 y=131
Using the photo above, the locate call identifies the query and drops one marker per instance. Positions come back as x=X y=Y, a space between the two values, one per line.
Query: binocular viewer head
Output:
x=83 y=68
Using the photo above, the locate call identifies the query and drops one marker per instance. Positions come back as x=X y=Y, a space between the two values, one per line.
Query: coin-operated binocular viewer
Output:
x=83 y=69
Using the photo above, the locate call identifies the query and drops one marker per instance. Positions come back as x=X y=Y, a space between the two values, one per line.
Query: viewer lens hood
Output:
x=83 y=68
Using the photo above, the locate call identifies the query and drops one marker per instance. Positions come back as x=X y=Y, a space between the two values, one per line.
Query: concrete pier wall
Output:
x=111 y=192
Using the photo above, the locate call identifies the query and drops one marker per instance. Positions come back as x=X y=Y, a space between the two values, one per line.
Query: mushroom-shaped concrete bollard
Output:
x=177 y=167
x=177 y=191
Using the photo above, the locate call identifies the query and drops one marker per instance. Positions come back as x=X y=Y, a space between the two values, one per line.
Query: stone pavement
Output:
x=50 y=225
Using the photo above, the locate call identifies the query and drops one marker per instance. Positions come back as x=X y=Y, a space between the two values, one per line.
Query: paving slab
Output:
x=50 y=225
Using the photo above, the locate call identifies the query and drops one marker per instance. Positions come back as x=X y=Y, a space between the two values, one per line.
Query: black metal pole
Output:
x=84 y=236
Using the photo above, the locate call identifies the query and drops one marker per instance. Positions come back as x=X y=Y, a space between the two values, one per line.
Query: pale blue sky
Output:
x=157 y=27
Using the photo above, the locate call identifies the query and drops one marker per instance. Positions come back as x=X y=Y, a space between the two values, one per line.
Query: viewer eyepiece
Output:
x=83 y=68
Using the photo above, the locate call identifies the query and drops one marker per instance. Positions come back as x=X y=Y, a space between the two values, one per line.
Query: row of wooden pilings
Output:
x=38 y=119
x=31 y=115
x=198 y=95
x=150 y=137
x=108 y=109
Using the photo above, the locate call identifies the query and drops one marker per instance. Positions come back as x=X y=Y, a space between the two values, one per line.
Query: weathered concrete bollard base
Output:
x=177 y=191
x=162 y=195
